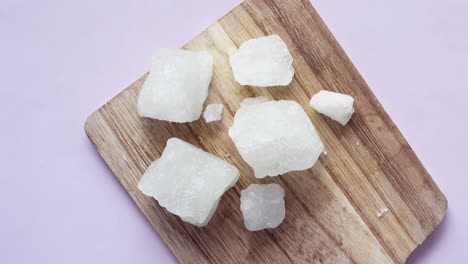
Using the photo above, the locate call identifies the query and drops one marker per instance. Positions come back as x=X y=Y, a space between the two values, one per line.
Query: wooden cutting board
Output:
x=332 y=209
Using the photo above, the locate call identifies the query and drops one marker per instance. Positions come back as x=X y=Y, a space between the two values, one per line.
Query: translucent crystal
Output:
x=213 y=112
x=177 y=85
x=275 y=137
x=188 y=181
x=263 y=62
x=262 y=206
x=337 y=106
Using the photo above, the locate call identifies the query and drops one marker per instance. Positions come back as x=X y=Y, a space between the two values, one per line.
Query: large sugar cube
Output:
x=337 y=106
x=188 y=181
x=262 y=206
x=177 y=85
x=275 y=137
x=263 y=62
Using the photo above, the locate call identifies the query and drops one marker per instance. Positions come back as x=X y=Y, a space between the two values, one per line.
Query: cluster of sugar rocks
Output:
x=273 y=137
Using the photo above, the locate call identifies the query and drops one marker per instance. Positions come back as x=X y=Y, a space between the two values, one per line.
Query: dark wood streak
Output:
x=309 y=213
x=258 y=23
x=283 y=250
x=398 y=180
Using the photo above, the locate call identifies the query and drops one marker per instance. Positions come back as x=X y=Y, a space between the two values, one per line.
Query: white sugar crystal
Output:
x=262 y=206
x=337 y=106
x=382 y=212
x=254 y=100
x=213 y=112
x=188 y=181
x=275 y=137
x=177 y=85
x=263 y=62
x=325 y=152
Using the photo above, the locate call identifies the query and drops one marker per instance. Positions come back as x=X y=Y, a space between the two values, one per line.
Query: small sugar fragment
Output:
x=213 y=112
x=382 y=212
x=262 y=206
x=337 y=106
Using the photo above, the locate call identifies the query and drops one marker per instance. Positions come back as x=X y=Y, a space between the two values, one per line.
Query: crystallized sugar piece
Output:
x=177 y=85
x=188 y=181
x=263 y=62
x=337 y=106
x=275 y=137
x=213 y=112
x=254 y=100
x=262 y=206
x=382 y=212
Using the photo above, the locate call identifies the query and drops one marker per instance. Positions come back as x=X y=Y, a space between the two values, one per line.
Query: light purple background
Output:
x=60 y=60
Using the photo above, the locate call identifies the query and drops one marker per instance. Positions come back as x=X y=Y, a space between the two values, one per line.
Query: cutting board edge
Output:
x=444 y=203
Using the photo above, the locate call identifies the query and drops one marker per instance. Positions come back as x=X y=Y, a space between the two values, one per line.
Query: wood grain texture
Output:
x=332 y=208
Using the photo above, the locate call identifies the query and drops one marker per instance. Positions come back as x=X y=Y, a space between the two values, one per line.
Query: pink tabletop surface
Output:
x=60 y=60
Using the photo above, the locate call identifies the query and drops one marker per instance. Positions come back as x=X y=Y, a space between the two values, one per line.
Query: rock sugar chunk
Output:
x=254 y=100
x=188 y=181
x=262 y=206
x=263 y=62
x=275 y=137
x=337 y=106
x=213 y=112
x=177 y=85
